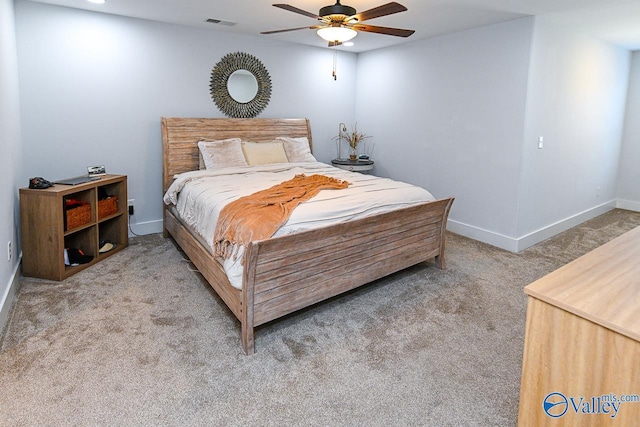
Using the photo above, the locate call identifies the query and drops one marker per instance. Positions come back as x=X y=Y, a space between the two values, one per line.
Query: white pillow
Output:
x=262 y=153
x=297 y=149
x=223 y=153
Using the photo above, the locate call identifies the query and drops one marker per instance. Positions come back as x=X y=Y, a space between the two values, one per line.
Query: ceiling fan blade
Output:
x=399 y=32
x=313 y=27
x=376 y=12
x=296 y=10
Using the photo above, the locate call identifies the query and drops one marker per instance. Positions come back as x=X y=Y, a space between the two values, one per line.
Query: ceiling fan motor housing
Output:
x=337 y=9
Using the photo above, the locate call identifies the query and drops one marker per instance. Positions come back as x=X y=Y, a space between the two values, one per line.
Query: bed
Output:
x=285 y=273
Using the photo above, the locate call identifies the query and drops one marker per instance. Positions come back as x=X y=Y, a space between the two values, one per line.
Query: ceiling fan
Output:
x=340 y=23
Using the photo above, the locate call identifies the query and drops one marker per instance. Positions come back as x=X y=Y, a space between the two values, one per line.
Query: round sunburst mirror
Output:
x=240 y=85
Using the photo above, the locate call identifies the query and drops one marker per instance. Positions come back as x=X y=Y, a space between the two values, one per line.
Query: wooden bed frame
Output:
x=287 y=273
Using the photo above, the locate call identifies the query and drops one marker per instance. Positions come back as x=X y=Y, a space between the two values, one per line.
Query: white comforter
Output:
x=199 y=196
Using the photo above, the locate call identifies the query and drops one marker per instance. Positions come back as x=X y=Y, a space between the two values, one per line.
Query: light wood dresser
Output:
x=581 y=364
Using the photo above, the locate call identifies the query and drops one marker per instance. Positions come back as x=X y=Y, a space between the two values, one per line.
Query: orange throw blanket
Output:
x=259 y=215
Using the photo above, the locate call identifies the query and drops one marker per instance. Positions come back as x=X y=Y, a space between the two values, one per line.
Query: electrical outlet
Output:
x=130 y=204
x=9 y=251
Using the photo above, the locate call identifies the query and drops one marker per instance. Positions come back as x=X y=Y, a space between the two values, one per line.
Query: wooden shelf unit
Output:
x=44 y=233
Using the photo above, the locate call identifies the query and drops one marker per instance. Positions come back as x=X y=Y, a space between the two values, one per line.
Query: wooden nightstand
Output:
x=47 y=228
x=353 y=165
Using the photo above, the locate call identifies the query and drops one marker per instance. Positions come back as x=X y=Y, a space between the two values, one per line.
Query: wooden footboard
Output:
x=287 y=273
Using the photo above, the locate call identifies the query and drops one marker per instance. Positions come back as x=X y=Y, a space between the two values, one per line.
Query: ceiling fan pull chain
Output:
x=335 y=62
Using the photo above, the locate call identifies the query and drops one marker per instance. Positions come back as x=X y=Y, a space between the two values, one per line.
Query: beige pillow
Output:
x=297 y=149
x=224 y=153
x=262 y=153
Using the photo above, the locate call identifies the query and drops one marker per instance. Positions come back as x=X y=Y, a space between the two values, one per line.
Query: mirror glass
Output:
x=242 y=86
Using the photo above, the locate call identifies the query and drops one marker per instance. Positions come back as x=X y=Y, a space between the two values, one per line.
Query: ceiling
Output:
x=615 y=21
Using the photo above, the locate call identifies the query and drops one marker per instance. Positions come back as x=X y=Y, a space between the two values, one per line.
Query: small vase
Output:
x=353 y=155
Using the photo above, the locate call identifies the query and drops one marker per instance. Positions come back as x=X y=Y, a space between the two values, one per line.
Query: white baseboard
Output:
x=490 y=237
x=10 y=295
x=142 y=228
x=629 y=205
x=518 y=244
x=563 y=225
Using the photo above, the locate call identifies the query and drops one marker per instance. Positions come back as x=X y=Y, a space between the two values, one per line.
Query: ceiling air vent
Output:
x=220 y=22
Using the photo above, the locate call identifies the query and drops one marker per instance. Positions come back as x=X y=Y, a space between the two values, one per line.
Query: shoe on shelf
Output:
x=106 y=246
x=73 y=256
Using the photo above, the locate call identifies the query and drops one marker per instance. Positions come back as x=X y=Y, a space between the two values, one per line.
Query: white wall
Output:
x=447 y=114
x=94 y=86
x=461 y=114
x=629 y=174
x=576 y=101
x=11 y=153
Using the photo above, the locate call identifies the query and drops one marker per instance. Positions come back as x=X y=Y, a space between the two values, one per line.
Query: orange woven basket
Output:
x=78 y=216
x=107 y=206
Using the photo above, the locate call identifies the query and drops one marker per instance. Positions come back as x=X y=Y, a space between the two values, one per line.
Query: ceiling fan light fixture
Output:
x=337 y=34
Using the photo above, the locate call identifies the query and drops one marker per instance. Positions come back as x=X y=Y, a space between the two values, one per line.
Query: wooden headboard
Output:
x=180 y=138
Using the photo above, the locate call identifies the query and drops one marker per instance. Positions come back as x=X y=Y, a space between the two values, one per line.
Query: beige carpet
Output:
x=140 y=339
